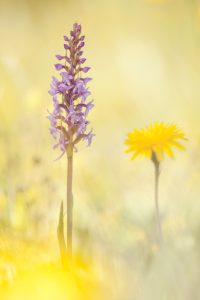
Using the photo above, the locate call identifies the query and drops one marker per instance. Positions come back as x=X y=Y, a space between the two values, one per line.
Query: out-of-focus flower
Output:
x=68 y=120
x=157 y=139
x=153 y=141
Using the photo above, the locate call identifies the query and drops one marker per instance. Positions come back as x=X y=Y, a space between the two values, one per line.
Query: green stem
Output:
x=60 y=234
x=69 y=199
x=159 y=228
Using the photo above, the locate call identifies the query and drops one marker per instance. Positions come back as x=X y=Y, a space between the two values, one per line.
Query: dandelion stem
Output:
x=157 y=173
x=69 y=199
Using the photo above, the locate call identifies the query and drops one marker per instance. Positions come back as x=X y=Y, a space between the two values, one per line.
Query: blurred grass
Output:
x=145 y=64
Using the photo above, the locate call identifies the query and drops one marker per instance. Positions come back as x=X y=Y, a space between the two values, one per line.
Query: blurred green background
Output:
x=145 y=64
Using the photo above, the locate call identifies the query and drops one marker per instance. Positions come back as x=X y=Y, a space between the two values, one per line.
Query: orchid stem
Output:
x=69 y=199
x=159 y=228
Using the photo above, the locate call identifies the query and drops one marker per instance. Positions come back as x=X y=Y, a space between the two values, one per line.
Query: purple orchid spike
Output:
x=68 y=121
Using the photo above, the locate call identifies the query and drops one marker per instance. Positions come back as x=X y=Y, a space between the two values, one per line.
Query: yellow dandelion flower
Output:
x=157 y=139
x=154 y=141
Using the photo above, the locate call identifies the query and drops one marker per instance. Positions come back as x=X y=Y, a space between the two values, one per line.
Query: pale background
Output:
x=145 y=64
